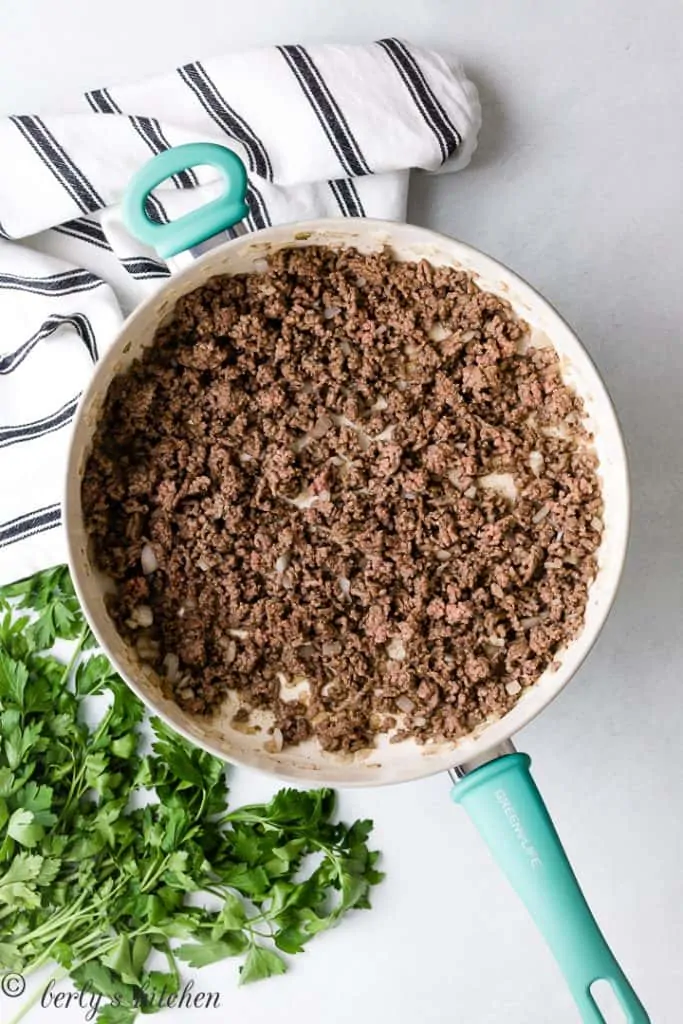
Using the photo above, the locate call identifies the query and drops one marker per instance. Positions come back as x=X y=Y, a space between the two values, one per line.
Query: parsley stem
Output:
x=156 y=872
x=45 y=955
x=171 y=960
x=55 y=922
x=82 y=636
x=105 y=947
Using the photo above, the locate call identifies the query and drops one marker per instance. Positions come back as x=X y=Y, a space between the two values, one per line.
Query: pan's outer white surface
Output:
x=387 y=763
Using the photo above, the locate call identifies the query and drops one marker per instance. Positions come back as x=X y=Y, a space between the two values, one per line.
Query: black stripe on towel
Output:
x=149 y=130
x=66 y=283
x=143 y=269
x=425 y=100
x=85 y=231
x=258 y=216
x=55 y=157
x=29 y=524
x=102 y=102
x=258 y=211
x=155 y=210
x=38 y=428
x=348 y=200
x=233 y=124
x=329 y=114
x=79 y=321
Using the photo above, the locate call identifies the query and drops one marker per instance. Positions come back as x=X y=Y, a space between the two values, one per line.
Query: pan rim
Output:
x=498 y=730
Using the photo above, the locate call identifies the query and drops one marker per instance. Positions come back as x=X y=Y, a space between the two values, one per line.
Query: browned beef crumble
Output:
x=412 y=594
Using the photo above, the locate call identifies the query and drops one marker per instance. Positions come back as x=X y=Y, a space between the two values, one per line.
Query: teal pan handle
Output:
x=198 y=225
x=502 y=800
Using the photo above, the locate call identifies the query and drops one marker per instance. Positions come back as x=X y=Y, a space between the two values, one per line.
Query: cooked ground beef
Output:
x=351 y=471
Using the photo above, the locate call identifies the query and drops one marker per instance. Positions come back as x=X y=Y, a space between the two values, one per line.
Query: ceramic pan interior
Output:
x=386 y=763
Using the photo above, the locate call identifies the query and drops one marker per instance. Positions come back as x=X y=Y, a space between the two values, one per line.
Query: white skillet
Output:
x=495 y=785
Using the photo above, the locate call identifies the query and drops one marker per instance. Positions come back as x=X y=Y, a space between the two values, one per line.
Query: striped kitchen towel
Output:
x=323 y=130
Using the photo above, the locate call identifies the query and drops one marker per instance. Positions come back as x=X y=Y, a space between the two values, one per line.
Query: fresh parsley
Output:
x=100 y=845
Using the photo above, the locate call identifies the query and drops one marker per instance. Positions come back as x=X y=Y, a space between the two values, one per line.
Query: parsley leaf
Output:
x=201 y=954
x=261 y=963
x=23 y=827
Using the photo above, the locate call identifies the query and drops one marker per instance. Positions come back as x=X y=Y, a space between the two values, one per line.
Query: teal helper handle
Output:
x=198 y=225
x=502 y=800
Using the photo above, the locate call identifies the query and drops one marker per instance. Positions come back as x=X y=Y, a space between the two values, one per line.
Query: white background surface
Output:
x=577 y=186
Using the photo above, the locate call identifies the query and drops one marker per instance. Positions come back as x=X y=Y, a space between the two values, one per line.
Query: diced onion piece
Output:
x=297 y=689
x=405 y=704
x=283 y=561
x=148 y=560
x=331 y=311
x=560 y=430
x=395 y=649
x=541 y=514
x=304 y=499
x=172 y=667
x=513 y=688
x=387 y=434
x=260 y=265
x=143 y=615
x=147 y=648
x=502 y=483
x=536 y=463
x=438 y=332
